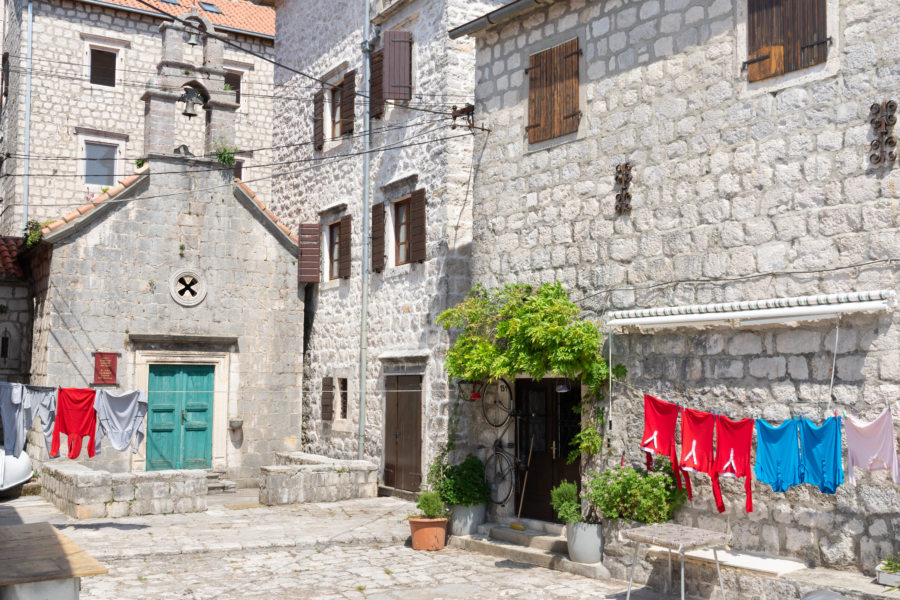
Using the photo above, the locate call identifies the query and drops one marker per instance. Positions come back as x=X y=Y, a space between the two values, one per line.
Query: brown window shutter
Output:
x=397 y=78
x=327 y=399
x=538 y=97
x=378 y=237
x=376 y=89
x=565 y=105
x=309 y=253
x=348 y=100
x=806 y=34
x=344 y=248
x=319 y=120
x=103 y=67
x=417 y=226
x=766 y=24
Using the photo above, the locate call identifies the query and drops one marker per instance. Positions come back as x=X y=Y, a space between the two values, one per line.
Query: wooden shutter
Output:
x=309 y=253
x=103 y=67
x=397 y=78
x=344 y=248
x=766 y=22
x=319 y=120
x=417 y=226
x=806 y=35
x=378 y=237
x=327 y=399
x=553 y=92
x=348 y=101
x=376 y=87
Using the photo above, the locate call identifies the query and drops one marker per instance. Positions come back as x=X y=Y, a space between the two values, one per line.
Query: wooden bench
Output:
x=37 y=561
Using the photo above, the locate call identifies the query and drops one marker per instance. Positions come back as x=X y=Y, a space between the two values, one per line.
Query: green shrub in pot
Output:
x=464 y=484
x=564 y=500
x=637 y=495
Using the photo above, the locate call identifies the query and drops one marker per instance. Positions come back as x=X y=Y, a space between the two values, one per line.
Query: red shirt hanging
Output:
x=733 y=456
x=697 y=430
x=75 y=417
x=660 y=418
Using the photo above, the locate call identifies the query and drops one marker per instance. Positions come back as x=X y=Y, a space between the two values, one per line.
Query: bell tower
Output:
x=183 y=90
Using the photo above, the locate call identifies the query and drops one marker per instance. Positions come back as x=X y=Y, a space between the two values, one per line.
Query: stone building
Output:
x=420 y=217
x=90 y=63
x=182 y=279
x=753 y=176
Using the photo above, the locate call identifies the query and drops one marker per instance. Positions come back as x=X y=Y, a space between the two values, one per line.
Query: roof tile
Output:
x=10 y=248
x=236 y=14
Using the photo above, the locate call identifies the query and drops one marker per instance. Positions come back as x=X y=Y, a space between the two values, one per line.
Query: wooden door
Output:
x=402 y=432
x=547 y=426
x=179 y=422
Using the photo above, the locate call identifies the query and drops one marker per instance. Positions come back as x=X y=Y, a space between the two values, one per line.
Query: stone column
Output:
x=220 y=126
x=159 y=121
x=172 y=41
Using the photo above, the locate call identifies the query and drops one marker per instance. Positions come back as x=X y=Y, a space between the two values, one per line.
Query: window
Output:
x=553 y=92
x=233 y=81
x=175 y=2
x=103 y=67
x=334 y=249
x=210 y=7
x=342 y=389
x=4 y=346
x=100 y=164
x=327 y=399
x=401 y=232
x=335 y=112
x=785 y=36
x=238 y=169
x=5 y=74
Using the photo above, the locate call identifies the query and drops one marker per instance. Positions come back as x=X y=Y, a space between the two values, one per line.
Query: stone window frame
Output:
x=85 y=136
x=343 y=423
x=106 y=44
x=329 y=216
x=818 y=72
x=242 y=69
x=395 y=227
x=398 y=189
x=332 y=259
x=334 y=78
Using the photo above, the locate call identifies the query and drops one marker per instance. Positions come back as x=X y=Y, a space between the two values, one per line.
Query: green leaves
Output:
x=625 y=493
x=431 y=506
x=464 y=484
x=564 y=500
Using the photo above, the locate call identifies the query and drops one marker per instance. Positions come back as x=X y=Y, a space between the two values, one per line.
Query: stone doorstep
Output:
x=220 y=486
x=384 y=490
x=548 y=528
x=745 y=561
x=532 y=556
x=531 y=538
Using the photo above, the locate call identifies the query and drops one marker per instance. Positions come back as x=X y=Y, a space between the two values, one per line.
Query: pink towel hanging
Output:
x=872 y=446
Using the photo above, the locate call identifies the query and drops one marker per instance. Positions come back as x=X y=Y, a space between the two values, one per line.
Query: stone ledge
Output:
x=299 y=477
x=84 y=493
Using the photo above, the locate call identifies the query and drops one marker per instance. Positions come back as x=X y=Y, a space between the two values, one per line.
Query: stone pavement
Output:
x=238 y=549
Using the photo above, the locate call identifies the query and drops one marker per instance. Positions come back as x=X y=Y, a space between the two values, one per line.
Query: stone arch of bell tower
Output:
x=174 y=74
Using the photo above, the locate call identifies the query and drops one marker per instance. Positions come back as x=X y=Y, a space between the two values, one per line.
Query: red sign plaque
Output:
x=105 y=368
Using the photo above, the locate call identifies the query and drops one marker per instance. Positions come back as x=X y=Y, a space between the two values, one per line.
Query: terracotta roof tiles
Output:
x=10 y=247
x=236 y=14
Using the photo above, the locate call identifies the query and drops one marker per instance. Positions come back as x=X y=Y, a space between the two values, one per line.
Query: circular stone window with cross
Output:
x=187 y=287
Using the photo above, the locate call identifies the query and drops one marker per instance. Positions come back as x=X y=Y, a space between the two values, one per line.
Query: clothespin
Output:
x=623 y=459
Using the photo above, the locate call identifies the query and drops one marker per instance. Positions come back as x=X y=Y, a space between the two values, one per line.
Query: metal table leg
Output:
x=682 y=575
x=637 y=545
x=719 y=573
x=669 y=580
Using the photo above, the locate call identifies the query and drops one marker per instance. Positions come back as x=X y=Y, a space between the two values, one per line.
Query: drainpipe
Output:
x=27 y=120
x=364 y=270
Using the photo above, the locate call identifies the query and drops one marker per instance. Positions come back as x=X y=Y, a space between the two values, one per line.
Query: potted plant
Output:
x=429 y=528
x=583 y=536
x=888 y=572
x=463 y=488
x=627 y=493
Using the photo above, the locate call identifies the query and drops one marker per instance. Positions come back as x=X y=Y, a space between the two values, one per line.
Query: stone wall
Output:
x=403 y=300
x=297 y=477
x=85 y=493
x=64 y=102
x=740 y=191
x=109 y=284
x=15 y=324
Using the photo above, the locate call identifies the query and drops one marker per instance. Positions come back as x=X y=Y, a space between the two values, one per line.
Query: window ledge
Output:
x=342 y=425
x=330 y=284
x=551 y=143
x=397 y=271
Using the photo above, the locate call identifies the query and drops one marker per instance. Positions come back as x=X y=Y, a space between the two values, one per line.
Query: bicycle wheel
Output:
x=498 y=471
x=496 y=403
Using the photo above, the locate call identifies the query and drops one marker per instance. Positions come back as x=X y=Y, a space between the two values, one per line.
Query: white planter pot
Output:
x=464 y=520
x=889 y=579
x=585 y=542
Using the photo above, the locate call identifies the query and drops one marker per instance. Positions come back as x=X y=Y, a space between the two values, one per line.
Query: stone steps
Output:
x=384 y=490
x=531 y=538
x=216 y=485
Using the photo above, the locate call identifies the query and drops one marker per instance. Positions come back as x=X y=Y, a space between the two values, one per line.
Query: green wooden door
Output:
x=179 y=423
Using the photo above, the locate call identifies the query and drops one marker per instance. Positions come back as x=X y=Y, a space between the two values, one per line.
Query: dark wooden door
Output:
x=402 y=432
x=549 y=423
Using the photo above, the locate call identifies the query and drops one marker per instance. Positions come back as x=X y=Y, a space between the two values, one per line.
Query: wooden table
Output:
x=36 y=560
x=679 y=538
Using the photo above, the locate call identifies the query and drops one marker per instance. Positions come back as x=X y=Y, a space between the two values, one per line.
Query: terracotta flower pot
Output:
x=428 y=534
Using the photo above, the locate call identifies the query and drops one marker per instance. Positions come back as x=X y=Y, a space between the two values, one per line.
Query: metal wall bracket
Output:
x=883 y=117
x=623 y=180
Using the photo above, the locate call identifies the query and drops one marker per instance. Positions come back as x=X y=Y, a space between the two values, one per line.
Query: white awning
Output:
x=755 y=312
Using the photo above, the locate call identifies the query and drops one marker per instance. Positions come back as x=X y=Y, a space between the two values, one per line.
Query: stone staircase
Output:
x=216 y=485
x=542 y=544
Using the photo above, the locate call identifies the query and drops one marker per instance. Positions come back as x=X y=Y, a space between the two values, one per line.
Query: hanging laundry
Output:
x=697 y=429
x=872 y=446
x=41 y=402
x=660 y=418
x=119 y=417
x=820 y=454
x=733 y=440
x=778 y=454
x=13 y=415
x=75 y=417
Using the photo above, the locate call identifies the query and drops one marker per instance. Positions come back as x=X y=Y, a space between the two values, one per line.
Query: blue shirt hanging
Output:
x=820 y=454
x=777 y=454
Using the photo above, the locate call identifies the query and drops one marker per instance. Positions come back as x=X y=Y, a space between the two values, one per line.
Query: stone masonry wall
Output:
x=15 y=323
x=298 y=477
x=111 y=279
x=740 y=191
x=63 y=99
x=404 y=300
